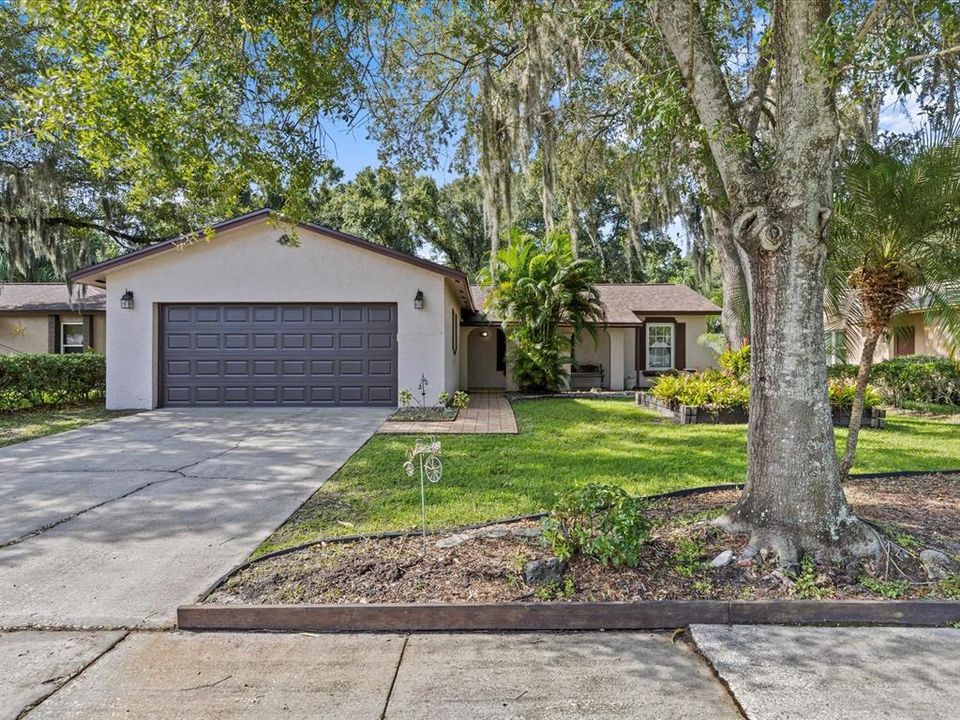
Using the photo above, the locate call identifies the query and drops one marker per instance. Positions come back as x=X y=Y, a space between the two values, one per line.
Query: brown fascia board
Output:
x=88 y=274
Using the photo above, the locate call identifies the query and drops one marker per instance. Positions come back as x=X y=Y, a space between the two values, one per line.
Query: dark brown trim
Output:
x=646 y=615
x=85 y=274
x=53 y=333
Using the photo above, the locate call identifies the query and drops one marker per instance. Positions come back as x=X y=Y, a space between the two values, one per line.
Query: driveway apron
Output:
x=114 y=525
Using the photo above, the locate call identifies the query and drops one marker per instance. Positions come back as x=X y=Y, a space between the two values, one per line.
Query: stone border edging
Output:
x=644 y=615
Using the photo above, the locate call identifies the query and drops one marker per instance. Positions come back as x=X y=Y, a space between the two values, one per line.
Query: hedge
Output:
x=31 y=379
x=914 y=378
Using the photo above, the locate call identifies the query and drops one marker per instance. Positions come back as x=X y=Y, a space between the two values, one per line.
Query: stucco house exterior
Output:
x=261 y=311
x=914 y=333
x=44 y=318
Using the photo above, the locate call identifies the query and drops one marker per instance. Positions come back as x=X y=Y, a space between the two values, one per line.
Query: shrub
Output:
x=842 y=392
x=915 y=378
x=736 y=362
x=716 y=390
x=598 y=520
x=443 y=398
x=31 y=379
x=461 y=400
x=406 y=397
x=712 y=389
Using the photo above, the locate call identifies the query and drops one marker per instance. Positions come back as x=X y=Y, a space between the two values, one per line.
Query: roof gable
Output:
x=97 y=274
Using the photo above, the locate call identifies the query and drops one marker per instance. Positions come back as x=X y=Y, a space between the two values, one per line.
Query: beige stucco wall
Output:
x=481 y=365
x=34 y=328
x=32 y=337
x=246 y=264
x=928 y=340
x=616 y=351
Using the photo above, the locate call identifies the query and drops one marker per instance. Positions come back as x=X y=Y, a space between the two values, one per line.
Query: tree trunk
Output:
x=793 y=503
x=856 y=410
x=735 y=308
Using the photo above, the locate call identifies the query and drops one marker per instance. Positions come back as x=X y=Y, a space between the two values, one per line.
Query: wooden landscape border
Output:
x=645 y=615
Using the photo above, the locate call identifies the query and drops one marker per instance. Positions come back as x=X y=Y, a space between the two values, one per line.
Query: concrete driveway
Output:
x=114 y=525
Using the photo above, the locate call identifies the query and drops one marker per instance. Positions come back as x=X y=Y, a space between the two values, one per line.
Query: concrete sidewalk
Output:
x=849 y=673
x=603 y=676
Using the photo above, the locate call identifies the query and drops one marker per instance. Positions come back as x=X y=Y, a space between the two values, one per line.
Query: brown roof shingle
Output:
x=49 y=298
x=626 y=303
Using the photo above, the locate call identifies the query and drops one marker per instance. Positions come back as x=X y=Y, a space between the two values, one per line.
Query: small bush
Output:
x=842 y=392
x=32 y=379
x=915 y=378
x=598 y=520
x=461 y=400
x=406 y=397
x=736 y=363
x=712 y=389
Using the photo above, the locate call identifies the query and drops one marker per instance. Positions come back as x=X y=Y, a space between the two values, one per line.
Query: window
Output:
x=836 y=342
x=71 y=338
x=659 y=346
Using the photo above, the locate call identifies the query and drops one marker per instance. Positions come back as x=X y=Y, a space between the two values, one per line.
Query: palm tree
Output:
x=535 y=287
x=896 y=236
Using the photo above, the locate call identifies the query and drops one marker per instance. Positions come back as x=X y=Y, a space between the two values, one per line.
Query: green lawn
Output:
x=29 y=424
x=562 y=443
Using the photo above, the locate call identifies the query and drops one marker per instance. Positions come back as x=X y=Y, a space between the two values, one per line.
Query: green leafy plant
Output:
x=890 y=589
x=688 y=557
x=598 y=520
x=406 y=397
x=461 y=400
x=718 y=390
x=37 y=379
x=842 y=393
x=556 y=590
x=736 y=363
x=536 y=285
x=443 y=398
x=950 y=587
x=807 y=585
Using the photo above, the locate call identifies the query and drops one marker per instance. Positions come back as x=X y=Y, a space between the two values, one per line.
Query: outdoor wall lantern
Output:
x=418 y=300
x=126 y=300
x=484 y=333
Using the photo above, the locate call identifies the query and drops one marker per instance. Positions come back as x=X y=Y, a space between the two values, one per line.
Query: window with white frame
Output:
x=660 y=346
x=72 y=338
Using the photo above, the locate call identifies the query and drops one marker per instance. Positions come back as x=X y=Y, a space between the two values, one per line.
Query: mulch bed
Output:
x=486 y=565
x=430 y=414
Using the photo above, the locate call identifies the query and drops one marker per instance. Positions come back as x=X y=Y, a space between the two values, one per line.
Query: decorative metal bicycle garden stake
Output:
x=427 y=452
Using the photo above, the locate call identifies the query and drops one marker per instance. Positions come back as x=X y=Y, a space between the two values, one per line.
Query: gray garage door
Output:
x=264 y=354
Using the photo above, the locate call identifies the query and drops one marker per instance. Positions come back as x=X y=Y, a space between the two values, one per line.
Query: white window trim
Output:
x=673 y=345
x=63 y=336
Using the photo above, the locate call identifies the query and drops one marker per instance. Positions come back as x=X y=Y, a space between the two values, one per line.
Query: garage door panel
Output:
x=284 y=354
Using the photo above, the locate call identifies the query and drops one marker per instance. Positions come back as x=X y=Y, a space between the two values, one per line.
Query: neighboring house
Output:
x=649 y=329
x=262 y=312
x=43 y=318
x=913 y=334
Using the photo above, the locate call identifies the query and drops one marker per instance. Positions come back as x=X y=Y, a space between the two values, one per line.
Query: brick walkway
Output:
x=489 y=414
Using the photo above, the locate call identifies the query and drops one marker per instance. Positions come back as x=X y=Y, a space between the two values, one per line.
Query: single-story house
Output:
x=913 y=333
x=262 y=311
x=44 y=318
x=650 y=328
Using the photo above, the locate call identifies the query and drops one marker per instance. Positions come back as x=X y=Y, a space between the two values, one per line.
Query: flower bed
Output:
x=678 y=560
x=427 y=414
x=692 y=415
